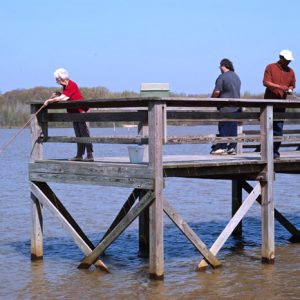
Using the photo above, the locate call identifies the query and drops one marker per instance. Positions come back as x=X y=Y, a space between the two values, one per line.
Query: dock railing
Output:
x=176 y=111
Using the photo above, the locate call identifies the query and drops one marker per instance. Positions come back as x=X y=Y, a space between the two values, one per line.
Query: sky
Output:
x=119 y=44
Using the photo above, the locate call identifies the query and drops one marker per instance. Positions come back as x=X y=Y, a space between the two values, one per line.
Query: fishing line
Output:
x=297 y=98
x=19 y=131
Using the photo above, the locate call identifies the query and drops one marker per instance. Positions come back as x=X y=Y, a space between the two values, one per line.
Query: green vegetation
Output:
x=15 y=111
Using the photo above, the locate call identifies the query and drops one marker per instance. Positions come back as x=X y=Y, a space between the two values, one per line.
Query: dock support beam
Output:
x=36 y=206
x=237 y=201
x=143 y=130
x=267 y=199
x=36 y=229
x=156 y=255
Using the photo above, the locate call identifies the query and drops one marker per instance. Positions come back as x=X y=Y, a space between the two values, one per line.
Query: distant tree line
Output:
x=15 y=110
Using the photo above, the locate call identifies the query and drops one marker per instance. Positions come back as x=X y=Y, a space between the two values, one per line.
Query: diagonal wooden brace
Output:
x=49 y=193
x=144 y=202
x=278 y=216
x=235 y=220
x=191 y=235
x=85 y=248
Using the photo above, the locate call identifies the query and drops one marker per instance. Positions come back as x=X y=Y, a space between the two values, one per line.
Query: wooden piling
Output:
x=267 y=198
x=36 y=206
x=156 y=255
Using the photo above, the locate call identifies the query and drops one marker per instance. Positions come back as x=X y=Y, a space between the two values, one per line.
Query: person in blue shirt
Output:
x=228 y=85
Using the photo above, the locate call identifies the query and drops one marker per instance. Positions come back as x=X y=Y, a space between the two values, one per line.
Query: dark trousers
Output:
x=82 y=130
x=278 y=129
x=226 y=129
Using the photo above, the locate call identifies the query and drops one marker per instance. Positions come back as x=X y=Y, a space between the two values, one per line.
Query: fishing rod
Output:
x=20 y=130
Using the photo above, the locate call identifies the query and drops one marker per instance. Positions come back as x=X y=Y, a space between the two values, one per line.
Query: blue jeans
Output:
x=226 y=129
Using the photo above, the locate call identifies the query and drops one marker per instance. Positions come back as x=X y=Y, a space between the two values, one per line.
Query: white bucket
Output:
x=136 y=154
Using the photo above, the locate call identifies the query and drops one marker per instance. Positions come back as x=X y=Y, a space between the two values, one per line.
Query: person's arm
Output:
x=218 y=88
x=62 y=97
x=272 y=86
x=215 y=94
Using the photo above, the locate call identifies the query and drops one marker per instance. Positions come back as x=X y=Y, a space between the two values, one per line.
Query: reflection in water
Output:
x=200 y=202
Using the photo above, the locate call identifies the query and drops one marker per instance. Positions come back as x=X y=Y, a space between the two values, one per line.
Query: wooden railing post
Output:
x=148 y=90
x=37 y=207
x=266 y=128
x=156 y=257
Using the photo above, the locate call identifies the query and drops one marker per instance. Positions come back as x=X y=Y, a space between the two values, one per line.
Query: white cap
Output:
x=287 y=54
x=61 y=73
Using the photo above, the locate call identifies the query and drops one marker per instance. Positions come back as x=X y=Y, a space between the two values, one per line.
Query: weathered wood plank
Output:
x=36 y=131
x=118 y=170
x=222 y=170
x=205 y=139
x=36 y=206
x=77 y=238
x=48 y=192
x=190 y=234
x=172 y=140
x=211 y=116
x=99 y=140
x=36 y=229
x=94 y=180
x=156 y=249
x=126 y=221
x=268 y=239
x=121 y=116
x=220 y=241
x=172 y=102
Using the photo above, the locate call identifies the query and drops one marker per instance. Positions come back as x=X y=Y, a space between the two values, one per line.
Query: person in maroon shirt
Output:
x=71 y=92
x=279 y=80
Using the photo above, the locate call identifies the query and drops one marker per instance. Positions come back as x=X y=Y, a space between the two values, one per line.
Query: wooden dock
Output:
x=147 y=201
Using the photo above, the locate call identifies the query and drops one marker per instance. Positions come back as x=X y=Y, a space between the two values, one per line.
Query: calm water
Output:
x=205 y=205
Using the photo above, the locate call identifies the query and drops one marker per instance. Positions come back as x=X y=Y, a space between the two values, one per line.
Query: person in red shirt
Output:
x=279 y=80
x=71 y=92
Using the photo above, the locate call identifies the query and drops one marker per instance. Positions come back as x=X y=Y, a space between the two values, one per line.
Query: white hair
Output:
x=61 y=73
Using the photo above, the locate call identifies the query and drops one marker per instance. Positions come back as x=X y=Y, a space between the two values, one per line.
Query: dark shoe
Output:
x=298 y=148
x=76 y=158
x=276 y=155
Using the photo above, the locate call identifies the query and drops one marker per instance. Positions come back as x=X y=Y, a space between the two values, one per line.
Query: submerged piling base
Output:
x=156 y=277
x=35 y=257
x=269 y=261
